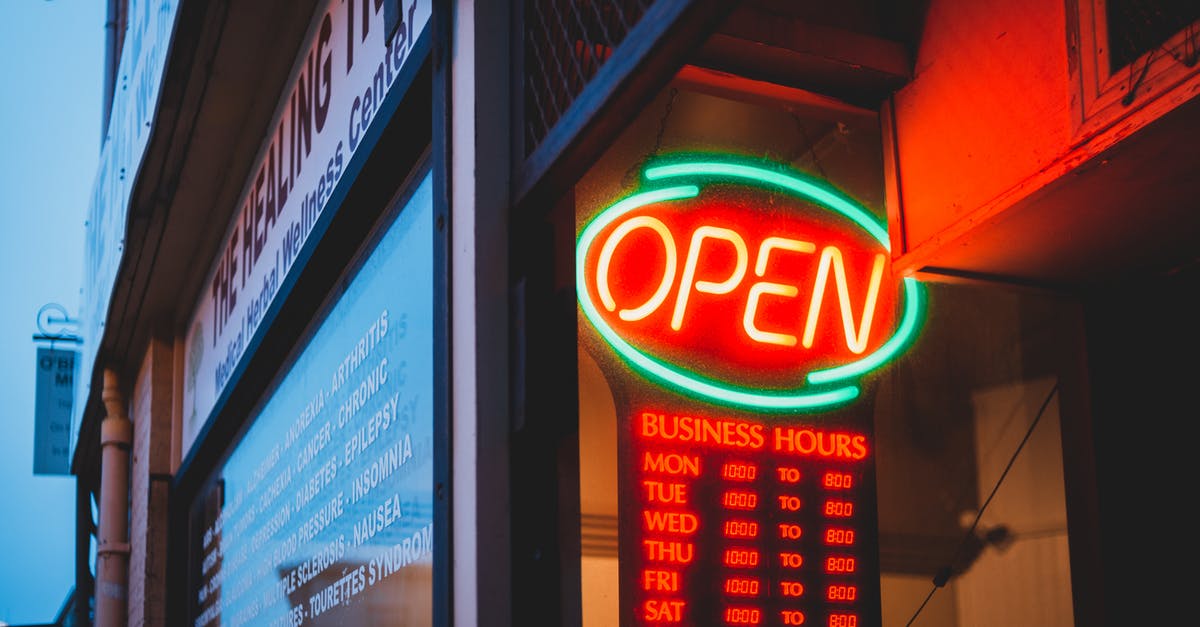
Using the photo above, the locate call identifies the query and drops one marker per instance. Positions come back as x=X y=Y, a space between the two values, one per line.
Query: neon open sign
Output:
x=745 y=283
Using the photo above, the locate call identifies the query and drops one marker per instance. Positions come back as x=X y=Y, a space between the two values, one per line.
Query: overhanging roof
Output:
x=226 y=67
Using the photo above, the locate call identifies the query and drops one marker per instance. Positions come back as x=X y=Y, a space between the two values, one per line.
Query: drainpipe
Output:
x=112 y=549
x=114 y=40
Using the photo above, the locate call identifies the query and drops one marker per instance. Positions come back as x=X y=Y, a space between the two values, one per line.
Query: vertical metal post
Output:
x=83 y=548
x=112 y=548
x=479 y=433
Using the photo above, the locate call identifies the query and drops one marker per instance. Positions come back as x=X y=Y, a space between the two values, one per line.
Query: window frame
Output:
x=1100 y=92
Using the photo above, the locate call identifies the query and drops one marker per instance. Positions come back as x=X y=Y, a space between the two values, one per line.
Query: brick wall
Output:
x=150 y=412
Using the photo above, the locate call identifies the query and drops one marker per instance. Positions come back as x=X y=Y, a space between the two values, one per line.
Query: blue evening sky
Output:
x=51 y=65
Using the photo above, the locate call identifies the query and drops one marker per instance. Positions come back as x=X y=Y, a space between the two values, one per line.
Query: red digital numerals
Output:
x=837 y=481
x=741 y=529
x=836 y=536
x=743 y=615
x=840 y=564
x=841 y=592
x=742 y=586
x=838 y=509
x=735 y=471
x=741 y=558
x=842 y=619
x=740 y=499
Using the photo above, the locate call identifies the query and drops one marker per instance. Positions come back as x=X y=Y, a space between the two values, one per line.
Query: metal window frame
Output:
x=1101 y=93
x=646 y=60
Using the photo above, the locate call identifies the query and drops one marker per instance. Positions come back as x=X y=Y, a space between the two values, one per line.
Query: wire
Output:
x=1130 y=95
x=918 y=612
x=634 y=168
x=944 y=573
x=662 y=124
x=811 y=147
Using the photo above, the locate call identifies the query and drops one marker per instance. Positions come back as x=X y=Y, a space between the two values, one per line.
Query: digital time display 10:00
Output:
x=746 y=522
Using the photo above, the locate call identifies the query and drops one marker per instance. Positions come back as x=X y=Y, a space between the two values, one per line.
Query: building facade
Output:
x=640 y=312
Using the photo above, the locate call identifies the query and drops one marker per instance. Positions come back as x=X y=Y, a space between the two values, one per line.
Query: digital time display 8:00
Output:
x=746 y=522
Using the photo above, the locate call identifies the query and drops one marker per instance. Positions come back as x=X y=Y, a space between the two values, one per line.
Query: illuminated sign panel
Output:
x=745 y=285
x=728 y=520
x=741 y=304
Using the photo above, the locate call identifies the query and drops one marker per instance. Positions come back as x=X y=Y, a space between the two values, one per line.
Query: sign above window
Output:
x=341 y=93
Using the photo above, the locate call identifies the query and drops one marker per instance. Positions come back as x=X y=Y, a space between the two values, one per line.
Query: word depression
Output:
x=757 y=287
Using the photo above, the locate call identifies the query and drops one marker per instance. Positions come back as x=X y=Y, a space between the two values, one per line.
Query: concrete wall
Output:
x=1009 y=100
x=989 y=105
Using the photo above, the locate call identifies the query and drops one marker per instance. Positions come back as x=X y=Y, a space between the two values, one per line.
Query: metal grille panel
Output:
x=1136 y=27
x=566 y=42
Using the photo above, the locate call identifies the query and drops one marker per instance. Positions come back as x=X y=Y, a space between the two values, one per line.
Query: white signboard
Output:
x=337 y=86
x=53 y=398
x=149 y=25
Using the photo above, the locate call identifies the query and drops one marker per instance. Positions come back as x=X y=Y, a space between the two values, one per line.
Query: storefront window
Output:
x=773 y=428
x=322 y=511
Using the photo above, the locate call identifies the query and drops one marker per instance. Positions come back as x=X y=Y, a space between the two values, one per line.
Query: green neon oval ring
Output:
x=725 y=393
x=827 y=197
x=810 y=189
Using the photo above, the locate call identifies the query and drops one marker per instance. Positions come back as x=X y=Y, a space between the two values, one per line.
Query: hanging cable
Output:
x=944 y=573
x=662 y=124
x=635 y=169
x=1131 y=94
x=810 y=147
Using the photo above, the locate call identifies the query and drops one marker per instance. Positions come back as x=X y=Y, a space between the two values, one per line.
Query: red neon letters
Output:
x=725 y=284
